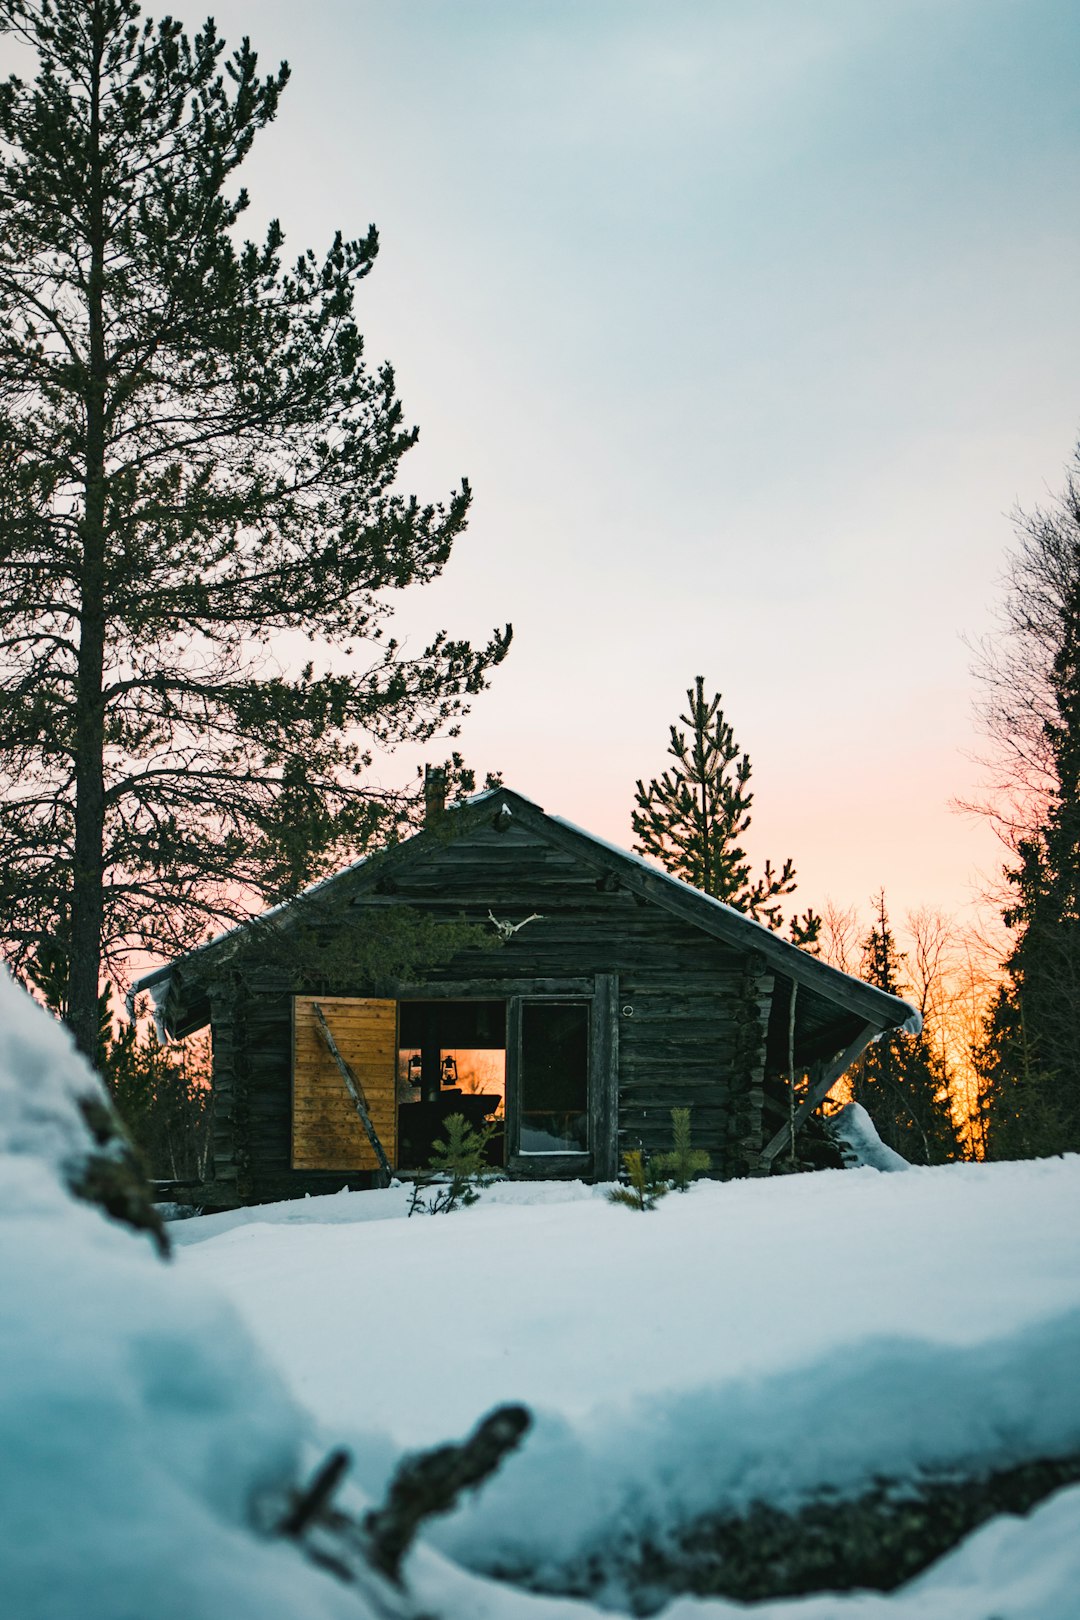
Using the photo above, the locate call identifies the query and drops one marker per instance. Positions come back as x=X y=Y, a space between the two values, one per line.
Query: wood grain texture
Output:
x=326 y=1130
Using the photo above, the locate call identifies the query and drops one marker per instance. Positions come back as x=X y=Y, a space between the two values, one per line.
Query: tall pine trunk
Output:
x=87 y=885
x=196 y=459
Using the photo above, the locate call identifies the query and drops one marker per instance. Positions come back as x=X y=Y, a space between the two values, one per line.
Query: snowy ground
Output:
x=139 y=1423
x=747 y=1340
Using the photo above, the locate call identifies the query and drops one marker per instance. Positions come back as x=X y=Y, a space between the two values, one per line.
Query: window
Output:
x=554 y=1077
x=451 y=1059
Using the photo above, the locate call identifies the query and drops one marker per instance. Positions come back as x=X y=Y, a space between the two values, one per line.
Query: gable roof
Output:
x=714 y=917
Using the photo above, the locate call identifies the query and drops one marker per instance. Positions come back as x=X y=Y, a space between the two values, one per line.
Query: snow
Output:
x=859 y=1141
x=159 y=999
x=389 y=1204
x=558 y=1298
x=745 y=1340
x=139 y=1424
x=44 y=1139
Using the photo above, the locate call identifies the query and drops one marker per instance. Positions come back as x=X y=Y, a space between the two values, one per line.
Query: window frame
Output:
x=601 y=991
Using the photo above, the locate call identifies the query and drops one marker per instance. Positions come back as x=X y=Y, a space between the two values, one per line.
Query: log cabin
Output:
x=579 y=995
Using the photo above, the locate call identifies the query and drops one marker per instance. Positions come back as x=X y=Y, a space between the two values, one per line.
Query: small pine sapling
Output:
x=684 y=1162
x=459 y=1164
x=645 y=1185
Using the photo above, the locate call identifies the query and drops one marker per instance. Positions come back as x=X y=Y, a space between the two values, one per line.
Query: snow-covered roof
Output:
x=716 y=917
x=755 y=933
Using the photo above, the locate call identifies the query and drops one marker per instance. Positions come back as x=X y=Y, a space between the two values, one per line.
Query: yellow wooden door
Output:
x=326 y=1130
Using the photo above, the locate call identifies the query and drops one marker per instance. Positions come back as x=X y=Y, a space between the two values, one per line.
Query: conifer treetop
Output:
x=196 y=459
x=691 y=818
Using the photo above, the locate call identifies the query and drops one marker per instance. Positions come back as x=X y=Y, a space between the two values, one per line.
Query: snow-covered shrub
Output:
x=856 y=1136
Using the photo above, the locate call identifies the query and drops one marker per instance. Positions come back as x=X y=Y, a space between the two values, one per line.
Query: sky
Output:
x=751 y=323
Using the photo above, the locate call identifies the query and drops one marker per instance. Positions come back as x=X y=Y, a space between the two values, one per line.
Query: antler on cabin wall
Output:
x=506 y=929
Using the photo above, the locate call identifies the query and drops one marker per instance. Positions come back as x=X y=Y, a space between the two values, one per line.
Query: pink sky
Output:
x=750 y=325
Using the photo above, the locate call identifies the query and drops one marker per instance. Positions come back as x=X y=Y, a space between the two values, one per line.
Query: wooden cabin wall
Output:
x=691 y=1022
x=226 y=1031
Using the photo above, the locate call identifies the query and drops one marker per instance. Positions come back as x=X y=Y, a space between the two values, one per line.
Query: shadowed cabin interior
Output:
x=452 y=1060
x=417 y=1062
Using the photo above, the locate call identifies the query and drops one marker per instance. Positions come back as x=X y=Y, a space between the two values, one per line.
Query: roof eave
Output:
x=723 y=922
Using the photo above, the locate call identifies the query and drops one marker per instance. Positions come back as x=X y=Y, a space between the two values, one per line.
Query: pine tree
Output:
x=1032 y=1103
x=162 y=1095
x=459 y=1163
x=684 y=1162
x=645 y=1184
x=692 y=818
x=900 y=1079
x=195 y=461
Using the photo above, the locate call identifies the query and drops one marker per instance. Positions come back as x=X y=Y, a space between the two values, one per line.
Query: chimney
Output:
x=434 y=794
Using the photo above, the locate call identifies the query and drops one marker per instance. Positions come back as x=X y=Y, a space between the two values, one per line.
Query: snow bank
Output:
x=345 y=1208
x=578 y=1492
x=139 y=1424
x=748 y=1339
x=754 y=1339
x=42 y=1084
x=859 y=1141
x=579 y=1306
x=1019 y=1568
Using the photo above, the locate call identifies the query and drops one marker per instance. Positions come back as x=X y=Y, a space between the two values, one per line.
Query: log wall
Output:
x=688 y=1022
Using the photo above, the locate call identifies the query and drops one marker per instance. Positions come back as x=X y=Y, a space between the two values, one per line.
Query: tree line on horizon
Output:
x=995 y=1071
x=196 y=456
x=693 y=818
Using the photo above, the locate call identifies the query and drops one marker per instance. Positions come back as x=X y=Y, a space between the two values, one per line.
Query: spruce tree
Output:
x=459 y=1167
x=1032 y=1103
x=900 y=1079
x=691 y=819
x=196 y=461
x=684 y=1161
x=1024 y=1112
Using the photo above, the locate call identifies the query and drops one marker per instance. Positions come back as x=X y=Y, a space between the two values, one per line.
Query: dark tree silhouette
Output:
x=196 y=462
x=900 y=1079
x=692 y=817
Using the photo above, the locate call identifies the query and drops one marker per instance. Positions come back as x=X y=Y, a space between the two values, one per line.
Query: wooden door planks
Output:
x=326 y=1131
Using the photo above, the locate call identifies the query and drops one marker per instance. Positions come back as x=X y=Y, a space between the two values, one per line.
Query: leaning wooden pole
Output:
x=820 y=1089
x=355 y=1090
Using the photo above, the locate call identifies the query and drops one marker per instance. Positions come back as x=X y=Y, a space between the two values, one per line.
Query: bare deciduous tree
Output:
x=1014 y=664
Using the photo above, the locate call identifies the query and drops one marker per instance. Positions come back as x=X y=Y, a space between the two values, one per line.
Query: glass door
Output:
x=553 y=1077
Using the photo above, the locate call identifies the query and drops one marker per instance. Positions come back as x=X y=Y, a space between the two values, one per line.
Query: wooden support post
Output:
x=820 y=1090
x=355 y=1091
x=604 y=1077
x=791 y=1067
